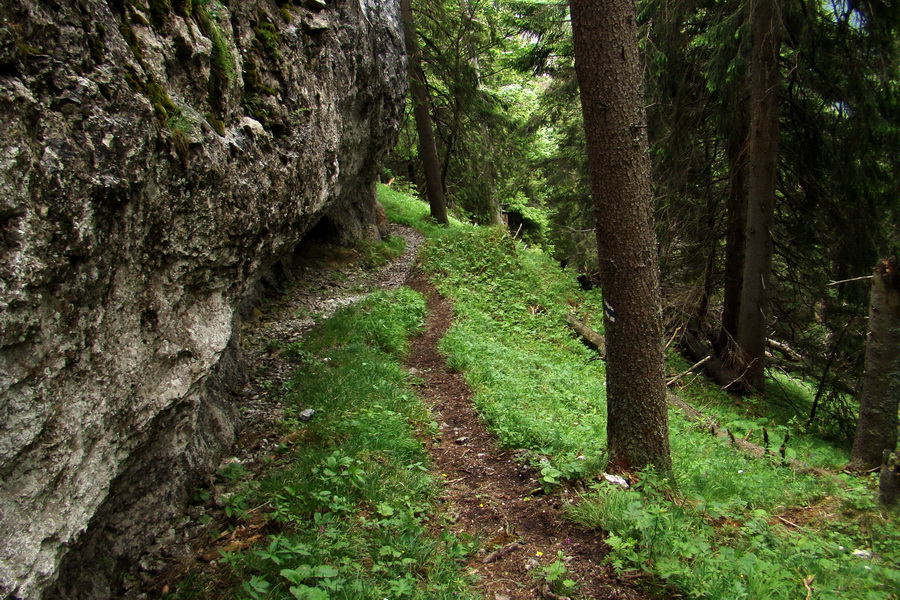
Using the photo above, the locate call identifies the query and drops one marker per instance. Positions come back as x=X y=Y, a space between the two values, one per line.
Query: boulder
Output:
x=154 y=162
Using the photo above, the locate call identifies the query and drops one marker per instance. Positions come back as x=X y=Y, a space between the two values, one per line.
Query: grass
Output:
x=348 y=506
x=511 y=341
x=731 y=526
x=349 y=499
x=378 y=254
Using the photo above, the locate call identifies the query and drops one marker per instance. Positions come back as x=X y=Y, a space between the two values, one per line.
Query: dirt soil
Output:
x=495 y=496
x=490 y=493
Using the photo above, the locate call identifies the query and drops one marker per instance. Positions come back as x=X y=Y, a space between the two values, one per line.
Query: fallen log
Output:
x=695 y=416
x=714 y=368
x=597 y=342
x=690 y=369
x=591 y=338
x=786 y=351
x=498 y=554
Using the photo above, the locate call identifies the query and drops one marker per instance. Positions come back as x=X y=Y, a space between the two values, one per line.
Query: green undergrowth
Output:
x=348 y=503
x=378 y=254
x=731 y=526
x=537 y=388
x=714 y=549
x=750 y=414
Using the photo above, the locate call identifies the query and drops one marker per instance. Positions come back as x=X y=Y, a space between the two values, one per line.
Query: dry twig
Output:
x=670 y=382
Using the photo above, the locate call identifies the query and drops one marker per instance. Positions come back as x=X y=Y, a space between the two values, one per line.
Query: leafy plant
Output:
x=555 y=574
x=352 y=496
x=550 y=476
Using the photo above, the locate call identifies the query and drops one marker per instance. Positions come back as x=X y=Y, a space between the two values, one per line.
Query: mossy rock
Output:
x=216 y=124
x=269 y=38
x=162 y=103
x=159 y=11
x=183 y=8
x=131 y=41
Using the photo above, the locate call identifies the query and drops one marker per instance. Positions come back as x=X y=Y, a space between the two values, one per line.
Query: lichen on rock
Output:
x=142 y=196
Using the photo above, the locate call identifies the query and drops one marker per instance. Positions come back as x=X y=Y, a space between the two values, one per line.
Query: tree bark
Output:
x=876 y=431
x=434 y=189
x=889 y=480
x=763 y=151
x=736 y=222
x=607 y=63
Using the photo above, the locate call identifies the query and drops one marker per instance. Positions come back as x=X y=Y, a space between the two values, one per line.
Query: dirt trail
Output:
x=490 y=494
x=326 y=278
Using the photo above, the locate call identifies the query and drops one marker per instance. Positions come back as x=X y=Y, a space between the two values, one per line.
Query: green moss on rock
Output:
x=131 y=41
x=216 y=124
x=183 y=8
x=269 y=39
x=162 y=103
x=159 y=11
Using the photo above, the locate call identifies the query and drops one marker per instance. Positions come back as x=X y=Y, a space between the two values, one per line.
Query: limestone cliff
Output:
x=156 y=156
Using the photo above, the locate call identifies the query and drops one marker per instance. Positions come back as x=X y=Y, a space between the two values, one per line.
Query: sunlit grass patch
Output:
x=730 y=525
x=348 y=505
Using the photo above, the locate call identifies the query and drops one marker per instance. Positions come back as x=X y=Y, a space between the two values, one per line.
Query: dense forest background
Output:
x=503 y=98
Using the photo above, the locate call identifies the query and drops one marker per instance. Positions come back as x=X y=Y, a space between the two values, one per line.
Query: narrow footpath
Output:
x=490 y=493
x=493 y=495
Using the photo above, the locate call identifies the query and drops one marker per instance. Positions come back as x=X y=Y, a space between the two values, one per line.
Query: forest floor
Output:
x=493 y=495
x=490 y=493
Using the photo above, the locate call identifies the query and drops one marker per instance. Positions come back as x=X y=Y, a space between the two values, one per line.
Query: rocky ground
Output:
x=490 y=493
x=326 y=277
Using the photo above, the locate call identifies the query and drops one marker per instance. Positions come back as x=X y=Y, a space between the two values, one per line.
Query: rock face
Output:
x=157 y=156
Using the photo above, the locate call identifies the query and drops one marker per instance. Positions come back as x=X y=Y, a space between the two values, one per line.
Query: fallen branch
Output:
x=691 y=368
x=807 y=583
x=674 y=335
x=498 y=554
x=548 y=594
x=717 y=370
x=849 y=280
x=789 y=353
x=694 y=415
x=591 y=338
x=786 y=522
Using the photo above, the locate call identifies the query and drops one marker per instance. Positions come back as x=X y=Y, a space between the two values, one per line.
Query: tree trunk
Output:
x=889 y=480
x=763 y=148
x=736 y=221
x=877 y=427
x=607 y=63
x=434 y=188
